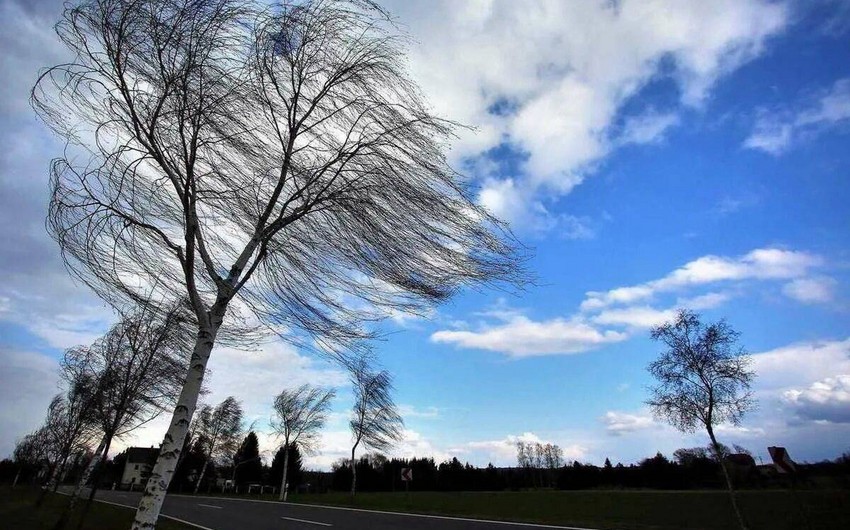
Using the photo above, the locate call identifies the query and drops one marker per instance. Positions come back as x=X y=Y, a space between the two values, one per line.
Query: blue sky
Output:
x=652 y=155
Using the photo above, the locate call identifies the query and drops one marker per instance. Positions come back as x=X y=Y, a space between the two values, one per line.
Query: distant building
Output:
x=138 y=466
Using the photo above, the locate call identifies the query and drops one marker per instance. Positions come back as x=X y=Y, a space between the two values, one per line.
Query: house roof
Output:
x=142 y=455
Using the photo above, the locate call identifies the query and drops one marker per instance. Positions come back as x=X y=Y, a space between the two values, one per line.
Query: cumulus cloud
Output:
x=804 y=382
x=826 y=400
x=800 y=364
x=618 y=423
x=551 y=79
x=776 y=130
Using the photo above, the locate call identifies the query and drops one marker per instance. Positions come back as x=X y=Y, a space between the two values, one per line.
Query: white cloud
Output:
x=503 y=452
x=607 y=317
x=705 y=301
x=618 y=423
x=825 y=400
x=523 y=337
x=759 y=264
x=550 y=79
x=818 y=289
x=800 y=364
x=775 y=130
x=648 y=128
x=637 y=316
x=256 y=377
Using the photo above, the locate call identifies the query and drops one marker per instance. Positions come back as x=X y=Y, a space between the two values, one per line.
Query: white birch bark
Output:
x=151 y=503
x=283 y=488
x=201 y=476
x=353 y=472
x=85 y=478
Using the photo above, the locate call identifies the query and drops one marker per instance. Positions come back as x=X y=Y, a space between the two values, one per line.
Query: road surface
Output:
x=220 y=513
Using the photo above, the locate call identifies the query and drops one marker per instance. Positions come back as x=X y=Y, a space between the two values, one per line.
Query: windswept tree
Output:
x=218 y=430
x=278 y=155
x=375 y=421
x=703 y=380
x=29 y=454
x=137 y=369
x=69 y=426
x=299 y=415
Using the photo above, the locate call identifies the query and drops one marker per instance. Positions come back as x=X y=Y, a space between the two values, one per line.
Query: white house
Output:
x=138 y=466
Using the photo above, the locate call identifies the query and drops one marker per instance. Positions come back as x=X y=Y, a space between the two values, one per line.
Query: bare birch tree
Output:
x=67 y=428
x=299 y=416
x=703 y=381
x=138 y=367
x=375 y=421
x=224 y=150
x=30 y=452
x=219 y=431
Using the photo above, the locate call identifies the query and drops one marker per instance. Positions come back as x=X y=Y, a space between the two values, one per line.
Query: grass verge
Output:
x=18 y=511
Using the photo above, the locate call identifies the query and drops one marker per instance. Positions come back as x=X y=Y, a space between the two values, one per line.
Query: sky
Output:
x=650 y=154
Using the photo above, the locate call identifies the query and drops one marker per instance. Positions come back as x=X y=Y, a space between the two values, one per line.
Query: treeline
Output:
x=689 y=469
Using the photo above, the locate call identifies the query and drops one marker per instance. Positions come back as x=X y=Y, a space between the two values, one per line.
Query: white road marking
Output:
x=189 y=523
x=306 y=521
x=209 y=506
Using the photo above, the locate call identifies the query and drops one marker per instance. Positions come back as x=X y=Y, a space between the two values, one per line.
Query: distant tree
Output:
x=30 y=452
x=69 y=426
x=299 y=415
x=219 y=430
x=375 y=421
x=703 y=380
x=248 y=467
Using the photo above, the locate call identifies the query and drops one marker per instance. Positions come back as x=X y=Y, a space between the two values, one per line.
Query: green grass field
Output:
x=18 y=511
x=626 y=510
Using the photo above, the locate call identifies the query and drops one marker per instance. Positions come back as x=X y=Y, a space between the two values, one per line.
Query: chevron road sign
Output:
x=406 y=474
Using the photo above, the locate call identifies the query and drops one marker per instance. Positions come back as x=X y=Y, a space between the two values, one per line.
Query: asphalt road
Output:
x=219 y=513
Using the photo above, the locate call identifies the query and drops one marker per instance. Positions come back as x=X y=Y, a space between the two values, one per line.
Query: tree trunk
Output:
x=353 y=473
x=283 y=488
x=72 y=502
x=172 y=444
x=201 y=476
x=98 y=471
x=45 y=484
x=729 y=485
x=17 y=476
x=58 y=471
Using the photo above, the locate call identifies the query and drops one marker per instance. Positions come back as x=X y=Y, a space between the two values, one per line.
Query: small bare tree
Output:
x=375 y=421
x=219 y=431
x=70 y=421
x=275 y=155
x=703 y=380
x=137 y=367
x=29 y=453
x=299 y=416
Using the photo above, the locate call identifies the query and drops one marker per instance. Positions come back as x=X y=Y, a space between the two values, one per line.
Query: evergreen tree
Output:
x=249 y=467
x=295 y=473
